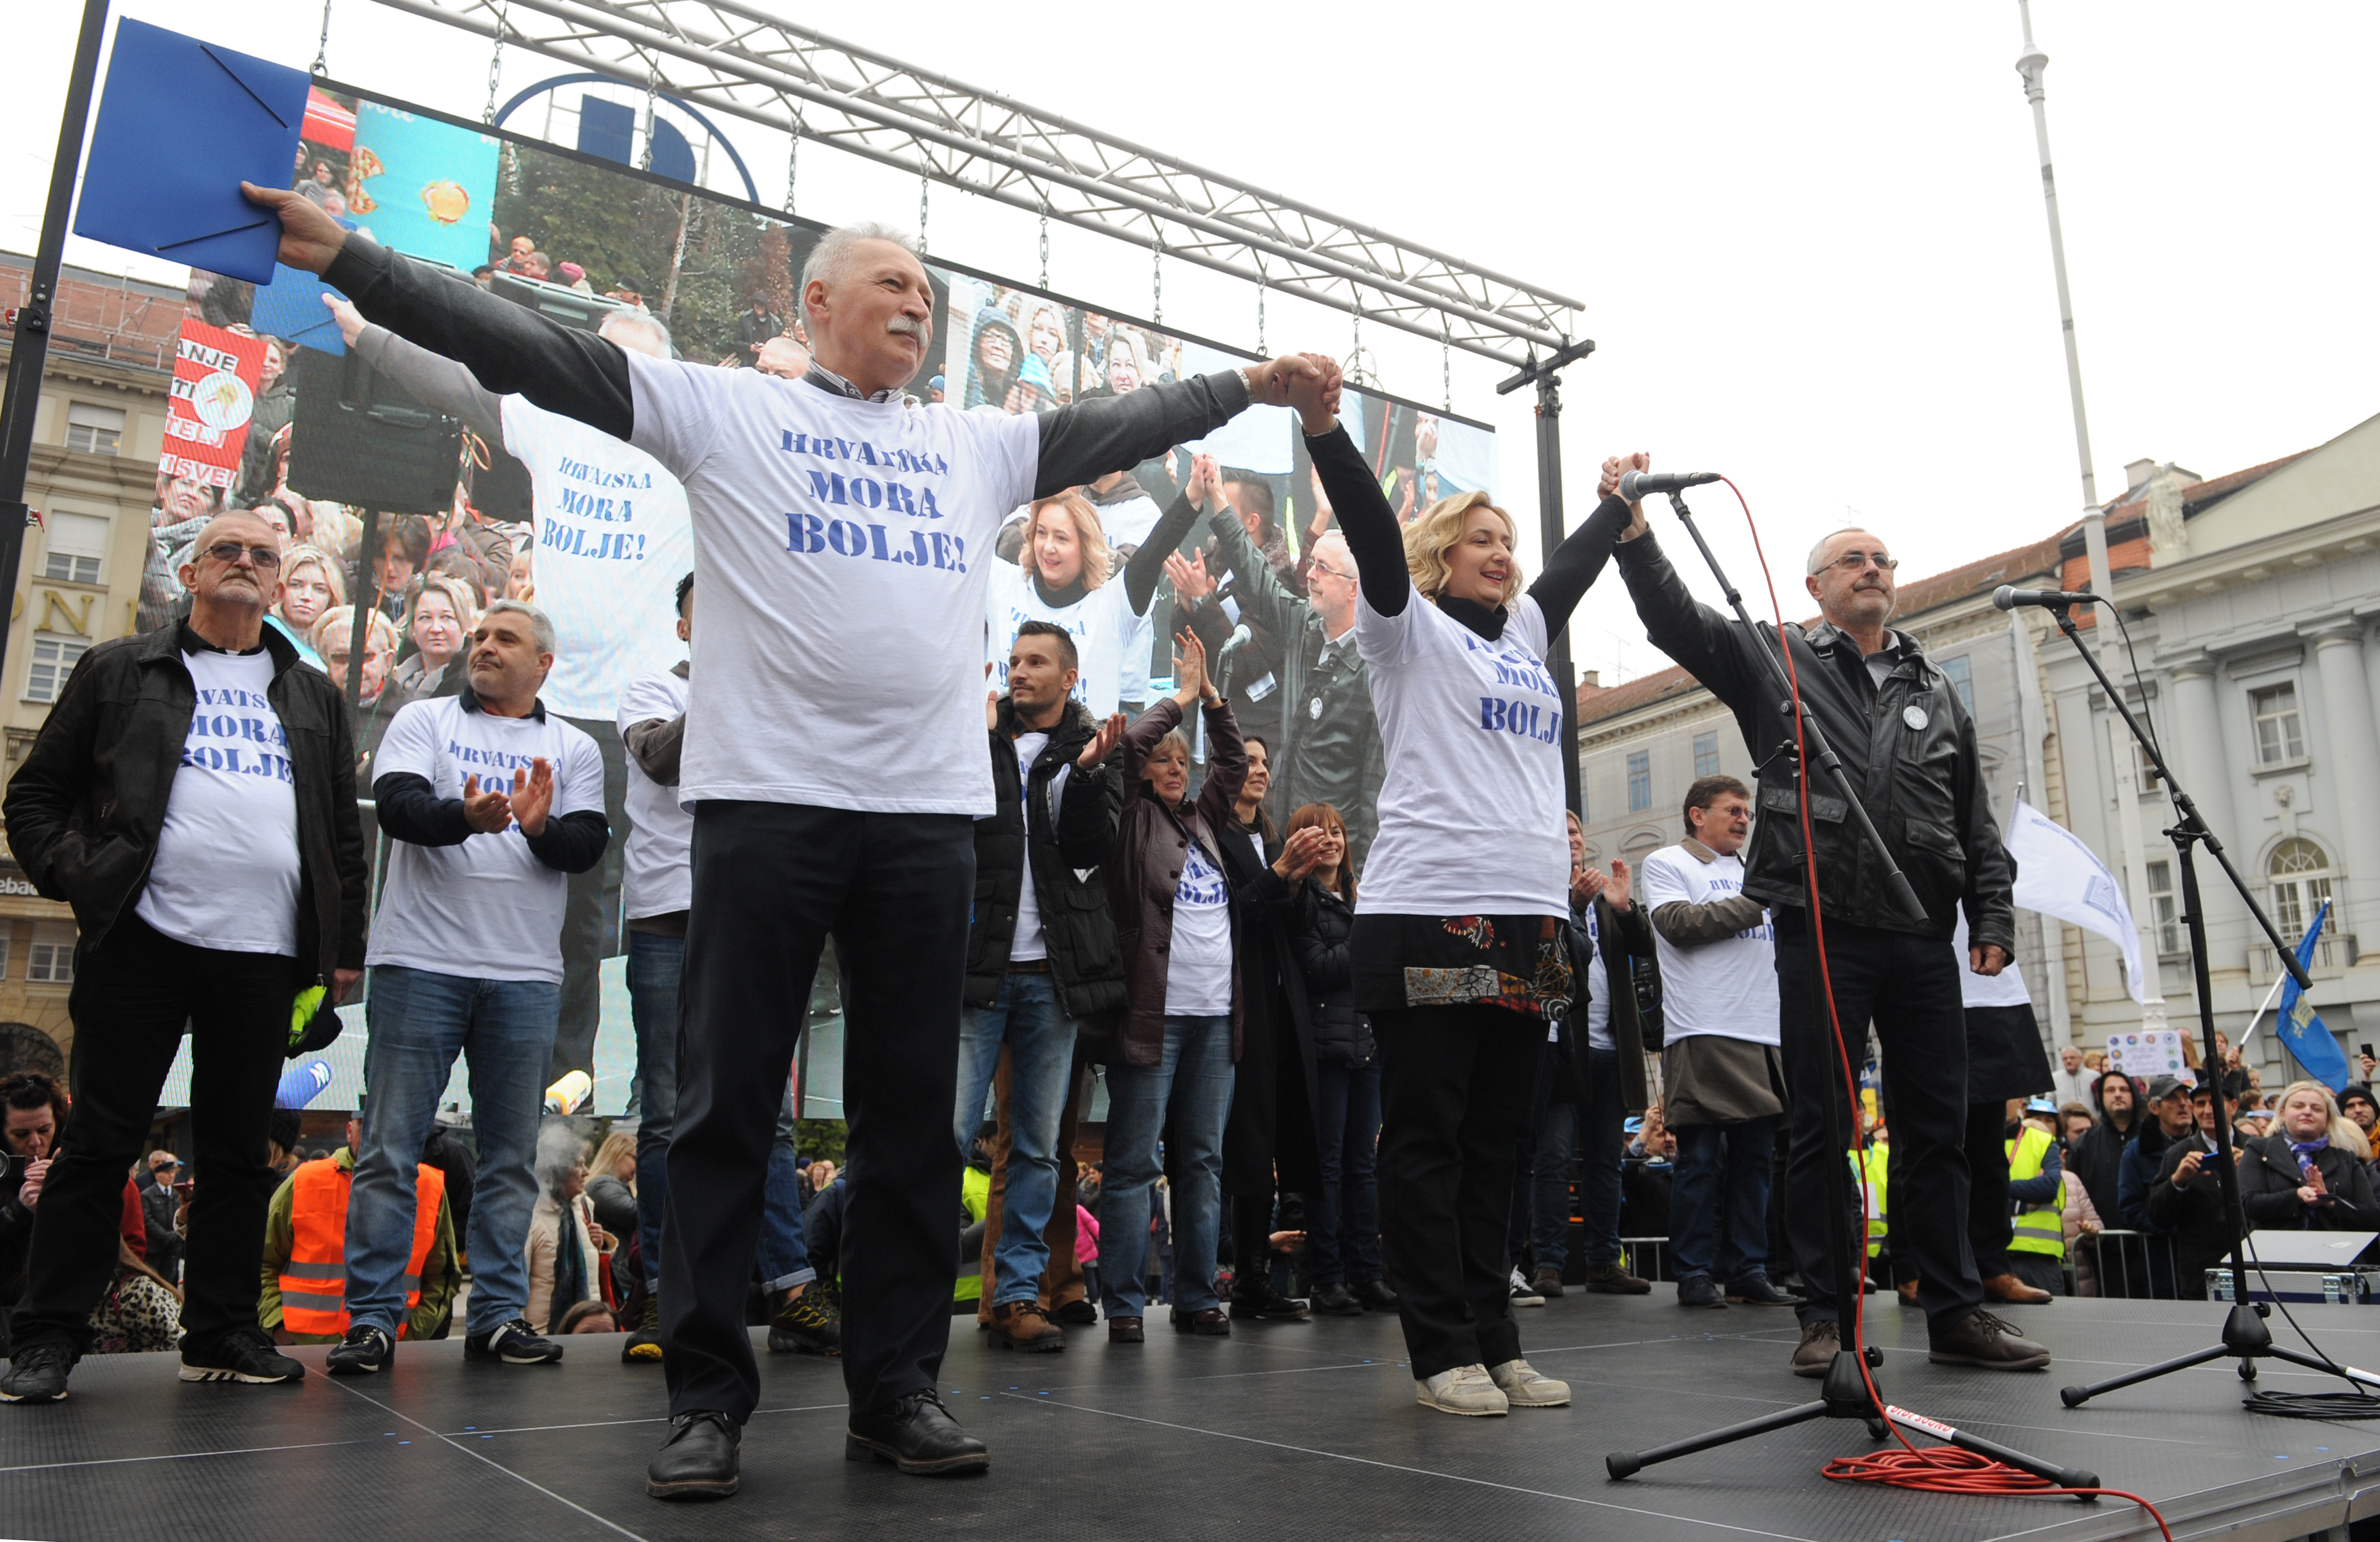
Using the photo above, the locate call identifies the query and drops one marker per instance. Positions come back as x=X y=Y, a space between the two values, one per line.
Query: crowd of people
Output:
x=1370 y=1020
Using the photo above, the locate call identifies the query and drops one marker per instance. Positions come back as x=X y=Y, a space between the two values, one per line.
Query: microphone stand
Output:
x=1844 y=1394
x=2244 y=1333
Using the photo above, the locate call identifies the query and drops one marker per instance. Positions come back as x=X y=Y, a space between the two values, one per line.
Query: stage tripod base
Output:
x=1844 y=1395
x=2245 y=1336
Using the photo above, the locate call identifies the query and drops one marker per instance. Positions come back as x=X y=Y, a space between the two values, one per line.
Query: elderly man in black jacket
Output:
x=193 y=796
x=1911 y=751
x=1042 y=955
x=2186 y=1201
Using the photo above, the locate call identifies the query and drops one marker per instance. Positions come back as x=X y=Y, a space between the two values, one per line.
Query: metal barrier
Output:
x=2130 y=1268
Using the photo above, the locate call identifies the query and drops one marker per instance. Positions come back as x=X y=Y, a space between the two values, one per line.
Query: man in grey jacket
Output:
x=1911 y=749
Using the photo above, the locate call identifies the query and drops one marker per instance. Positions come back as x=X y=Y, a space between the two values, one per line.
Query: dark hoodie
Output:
x=991 y=390
x=2097 y=1157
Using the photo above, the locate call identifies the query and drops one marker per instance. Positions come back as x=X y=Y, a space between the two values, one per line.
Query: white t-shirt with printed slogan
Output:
x=1099 y=623
x=1726 y=987
x=656 y=869
x=613 y=541
x=1199 y=965
x=846 y=549
x=488 y=909
x=1471 y=809
x=226 y=870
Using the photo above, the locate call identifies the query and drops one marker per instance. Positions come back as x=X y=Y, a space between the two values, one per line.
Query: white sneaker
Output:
x=1524 y=1388
x=1524 y=1293
x=1464 y=1389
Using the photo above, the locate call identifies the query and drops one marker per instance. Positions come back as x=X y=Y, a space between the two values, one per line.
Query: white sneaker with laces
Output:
x=1523 y=1387
x=1464 y=1389
x=1524 y=1293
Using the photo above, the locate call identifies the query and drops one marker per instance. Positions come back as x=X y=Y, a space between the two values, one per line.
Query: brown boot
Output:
x=2008 y=1288
x=1612 y=1279
x=1022 y=1324
x=1816 y=1351
x=1908 y=1290
x=1983 y=1340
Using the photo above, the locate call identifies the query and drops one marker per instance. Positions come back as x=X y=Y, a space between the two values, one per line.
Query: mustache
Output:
x=905 y=327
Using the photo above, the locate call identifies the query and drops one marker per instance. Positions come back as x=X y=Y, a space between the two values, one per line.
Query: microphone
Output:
x=2009 y=598
x=1634 y=485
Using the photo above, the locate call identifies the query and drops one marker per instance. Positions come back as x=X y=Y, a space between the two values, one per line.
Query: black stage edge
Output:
x=1281 y=1431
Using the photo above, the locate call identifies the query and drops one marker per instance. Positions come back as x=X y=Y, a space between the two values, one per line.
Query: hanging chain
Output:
x=323 y=49
x=1156 y=276
x=1045 y=240
x=1445 y=360
x=1355 y=358
x=653 y=90
x=792 y=162
x=495 y=58
x=1261 y=277
x=925 y=184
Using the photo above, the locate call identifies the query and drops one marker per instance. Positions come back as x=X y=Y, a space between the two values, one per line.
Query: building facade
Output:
x=97 y=434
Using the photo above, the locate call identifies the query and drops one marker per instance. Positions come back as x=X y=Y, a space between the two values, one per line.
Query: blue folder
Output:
x=181 y=125
x=291 y=307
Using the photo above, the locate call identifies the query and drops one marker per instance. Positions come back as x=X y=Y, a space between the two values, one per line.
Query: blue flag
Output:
x=2302 y=1030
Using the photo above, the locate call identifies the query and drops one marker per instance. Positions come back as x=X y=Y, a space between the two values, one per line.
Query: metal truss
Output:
x=736 y=59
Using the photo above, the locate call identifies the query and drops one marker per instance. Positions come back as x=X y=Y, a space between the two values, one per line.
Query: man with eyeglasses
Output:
x=1910 y=749
x=1326 y=743
x=193 y=796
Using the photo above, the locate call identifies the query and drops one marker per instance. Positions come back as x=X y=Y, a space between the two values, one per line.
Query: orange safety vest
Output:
x=313 y=1283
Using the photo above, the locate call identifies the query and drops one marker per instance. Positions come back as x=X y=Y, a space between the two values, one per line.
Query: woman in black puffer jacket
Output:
x=1343 y=1238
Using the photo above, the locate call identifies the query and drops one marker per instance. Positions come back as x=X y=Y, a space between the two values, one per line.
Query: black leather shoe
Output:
x=1209 y=1324
x=698 y=1460
x=1374 y=1295
x=917 y=1434
x=1758 y=1290
x=1333 y=1300
x=1127 y=1330
x=1983 y=1340
x=1078 y=1313
x=1266 y=1302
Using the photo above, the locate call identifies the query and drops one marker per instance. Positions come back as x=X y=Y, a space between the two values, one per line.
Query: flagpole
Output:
x=2253 y=1022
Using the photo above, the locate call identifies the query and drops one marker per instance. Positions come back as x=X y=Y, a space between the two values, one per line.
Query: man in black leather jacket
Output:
x=1910 y=747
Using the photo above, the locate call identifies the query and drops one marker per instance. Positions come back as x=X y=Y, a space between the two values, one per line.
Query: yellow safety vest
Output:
x=1871 y=1165
x=975 y=1193
x=2043 y=1228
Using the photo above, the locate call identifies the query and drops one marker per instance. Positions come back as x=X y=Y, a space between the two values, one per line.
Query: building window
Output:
x=1960 y=672
x=4 y=957
x=1706 y=754
x=51 y=963
x=54 y=660
x=2300 y=872
x=2161 y=908
x=97 y=431
x=73 y=542
x=2280 y=734
x=1640 y=781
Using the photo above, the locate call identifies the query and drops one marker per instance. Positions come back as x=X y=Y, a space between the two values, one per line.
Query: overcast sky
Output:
x=1809 y=239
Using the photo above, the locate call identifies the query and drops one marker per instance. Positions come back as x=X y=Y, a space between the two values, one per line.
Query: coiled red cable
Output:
x=1935 y=1469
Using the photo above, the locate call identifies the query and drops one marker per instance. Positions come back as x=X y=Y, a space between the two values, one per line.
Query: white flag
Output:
x=2059 y=875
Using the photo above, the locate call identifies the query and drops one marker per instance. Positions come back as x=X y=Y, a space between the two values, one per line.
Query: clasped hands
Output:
x=527 y=802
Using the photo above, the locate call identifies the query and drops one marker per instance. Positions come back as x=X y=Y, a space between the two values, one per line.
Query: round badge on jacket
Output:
x=1914 y=715
x=1313 y=709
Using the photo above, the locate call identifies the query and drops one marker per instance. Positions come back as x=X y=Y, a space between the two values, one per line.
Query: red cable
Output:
x=1935 y=1469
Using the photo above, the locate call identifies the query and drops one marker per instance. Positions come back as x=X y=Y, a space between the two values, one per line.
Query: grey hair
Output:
x=541 y=625
x=832 y=256
x=643 y=321
x=560 y=1148
x=1817 y=552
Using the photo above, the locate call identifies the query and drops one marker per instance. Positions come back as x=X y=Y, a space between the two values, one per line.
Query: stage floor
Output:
x=1281 y=1431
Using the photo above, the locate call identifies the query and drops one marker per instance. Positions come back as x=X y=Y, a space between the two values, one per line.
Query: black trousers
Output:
x=1987 y=1190
x=1909 y=988
x=590 y=913
x=132 y=997
x=772 y=881
x=1457 y=1087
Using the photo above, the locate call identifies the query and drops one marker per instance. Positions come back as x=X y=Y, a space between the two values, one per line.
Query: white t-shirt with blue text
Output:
x=657 y=866
x=613 y=541
x=1099 y=623
x=845 y=547
x=1471 y=807
x=488 y=909
x=1726 y=987
x=1198 y=966
x=226 y=870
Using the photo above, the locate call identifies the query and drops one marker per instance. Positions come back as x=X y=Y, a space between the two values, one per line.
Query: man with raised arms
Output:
x=834 y=756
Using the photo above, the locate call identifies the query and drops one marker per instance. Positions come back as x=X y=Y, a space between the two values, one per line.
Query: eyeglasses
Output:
x=229 y=551
x=1851 y=562
x=1319 y=567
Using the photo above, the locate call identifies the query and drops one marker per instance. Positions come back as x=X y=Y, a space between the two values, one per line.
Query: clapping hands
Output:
x=527 y=803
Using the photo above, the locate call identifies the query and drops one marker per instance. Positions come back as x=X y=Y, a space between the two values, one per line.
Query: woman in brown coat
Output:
x=1174 y=911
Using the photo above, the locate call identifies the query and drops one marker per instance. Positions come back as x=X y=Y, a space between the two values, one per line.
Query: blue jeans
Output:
x=1604 y=1136
x=420 y=1021
x=655 y=964
x=1040 y=1039
x=1192 y=1081
x=1342 y=1223
x=1719 y=1206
